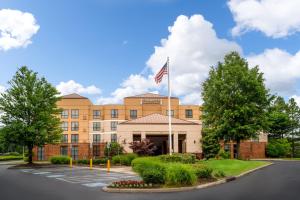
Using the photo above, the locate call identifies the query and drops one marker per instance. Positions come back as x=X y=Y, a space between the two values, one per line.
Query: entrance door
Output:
x=161 y=143
x=41 y=153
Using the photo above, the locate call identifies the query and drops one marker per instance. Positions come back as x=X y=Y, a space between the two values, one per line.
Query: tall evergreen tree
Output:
x=294 y=116
x=30 y=112
x=235 y=100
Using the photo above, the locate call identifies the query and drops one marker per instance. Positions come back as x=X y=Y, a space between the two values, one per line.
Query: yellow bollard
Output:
x=71 y=162
x=91 y=163
x=108 y=166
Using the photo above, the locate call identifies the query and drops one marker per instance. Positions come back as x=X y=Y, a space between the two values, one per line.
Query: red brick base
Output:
x=84 y=150
x=249 y=150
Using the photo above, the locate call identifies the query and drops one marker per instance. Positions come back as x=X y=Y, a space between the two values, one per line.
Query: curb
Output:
x=181 y=189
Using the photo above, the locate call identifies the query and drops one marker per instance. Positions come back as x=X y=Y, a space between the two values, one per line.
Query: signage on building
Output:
x=151 y=101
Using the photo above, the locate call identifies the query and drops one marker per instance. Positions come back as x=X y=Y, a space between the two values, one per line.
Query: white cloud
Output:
x=73 y=87
x=275 y=18
x=133 y=85
x=297 y=99
x=193 y=47
x=281 y=69
x=2 y=89
x=16 y=29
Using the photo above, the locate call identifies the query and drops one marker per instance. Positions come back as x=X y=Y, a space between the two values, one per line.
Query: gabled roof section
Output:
x=149 y=95
x=73 y=96
x=158 y=119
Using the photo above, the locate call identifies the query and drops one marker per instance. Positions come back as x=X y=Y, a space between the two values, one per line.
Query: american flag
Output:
x=161 y=73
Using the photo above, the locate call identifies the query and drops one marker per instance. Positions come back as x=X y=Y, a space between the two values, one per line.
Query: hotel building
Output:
x=87 y=128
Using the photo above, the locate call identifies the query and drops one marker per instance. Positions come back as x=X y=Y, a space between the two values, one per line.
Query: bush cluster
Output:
x=124 y=159
x=278 y=148
x=202 y=171
x=223 y=154
x=60 y=160
x=113 y=149
x=186 y=158
x=153 y=170
x=100 y=161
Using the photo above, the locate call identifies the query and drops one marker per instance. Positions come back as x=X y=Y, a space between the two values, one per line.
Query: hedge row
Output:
x=60 y=160
x=186 y=158
x=9 y=157
x=153 y=170
x=124 y=159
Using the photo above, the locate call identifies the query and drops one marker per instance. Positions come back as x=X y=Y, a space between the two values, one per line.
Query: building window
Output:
x=74 y=126
x=96 y=114
x=114 y=138
x=96 y=126
x=64 y=126
x=96 y=151
x=114 y=113
x=74 y=153
x=189 y=113
x=136 y=137
x=64 y=138
x=41 y=153
x=74 y=138
x=133 y=114
x=96 y=138
x=113 y=126
x=227 y=147
x=74 y=114
x=64 y=150
x=65 y=114
x=172 y=113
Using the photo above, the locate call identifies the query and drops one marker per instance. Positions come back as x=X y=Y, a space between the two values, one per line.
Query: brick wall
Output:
x=248 y=150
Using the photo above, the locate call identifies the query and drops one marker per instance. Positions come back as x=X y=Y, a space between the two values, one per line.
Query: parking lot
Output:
x=95 y=178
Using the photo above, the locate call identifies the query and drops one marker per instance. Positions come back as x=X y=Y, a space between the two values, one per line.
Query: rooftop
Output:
x=158 y=119
x=149 y=95
x=73 y=96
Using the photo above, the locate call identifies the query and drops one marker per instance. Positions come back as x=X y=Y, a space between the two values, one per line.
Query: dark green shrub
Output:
x=210 y=144
x=124 y=159
x=223 y=154
x=84 y=161
x=278 y=148
x=60 y=160
x=100 y=161
x=150 y=169
x=179 y=175
x=154 y=176
x=187 y=158
x=113 y=149
x=202 y=171
x=219 y=174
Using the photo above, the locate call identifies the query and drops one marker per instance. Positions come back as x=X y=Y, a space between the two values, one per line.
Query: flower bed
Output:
x=130 y=184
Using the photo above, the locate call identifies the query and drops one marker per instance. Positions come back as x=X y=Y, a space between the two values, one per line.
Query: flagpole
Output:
x=169 y=109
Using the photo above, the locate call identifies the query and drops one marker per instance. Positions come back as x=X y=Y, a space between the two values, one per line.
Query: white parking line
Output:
x=95 y=184
x=56 y=176
x=41 y=173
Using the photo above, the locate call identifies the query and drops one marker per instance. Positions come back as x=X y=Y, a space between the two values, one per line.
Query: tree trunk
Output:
x=238 y=142
x=30 y=153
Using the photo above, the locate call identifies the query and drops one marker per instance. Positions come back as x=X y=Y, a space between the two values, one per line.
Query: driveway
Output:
x=277 y=182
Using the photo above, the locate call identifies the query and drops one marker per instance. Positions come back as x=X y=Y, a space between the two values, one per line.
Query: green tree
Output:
x=294 y=116
x=210 y=146
x=30 y=112
x=235 y=100
x=279 y=121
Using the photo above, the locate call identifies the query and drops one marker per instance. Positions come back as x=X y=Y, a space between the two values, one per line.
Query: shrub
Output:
x=219 y=174
x=100 y=161
x=182 y=158
x=113 y=149
x=202 y=171
x=143 y=148
x=150 y=169
x=9 y=157
x=84 y=161
x=278 y=148
x=223 y=154
x=124 y=159
x=179 y=174
x=60 y=160
x=210 y=145
x=154 y=176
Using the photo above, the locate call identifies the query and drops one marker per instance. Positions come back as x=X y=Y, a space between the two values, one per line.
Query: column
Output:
x=143 y=135
x=175 y=141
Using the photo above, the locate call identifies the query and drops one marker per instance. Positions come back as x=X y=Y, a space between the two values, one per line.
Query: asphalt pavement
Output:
x=280 y=181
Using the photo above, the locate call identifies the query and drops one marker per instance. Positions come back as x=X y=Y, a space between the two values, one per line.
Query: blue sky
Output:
x=104 y=49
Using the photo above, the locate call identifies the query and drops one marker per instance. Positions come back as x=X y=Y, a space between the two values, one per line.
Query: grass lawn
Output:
x=9 y=157
x=232 y=167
